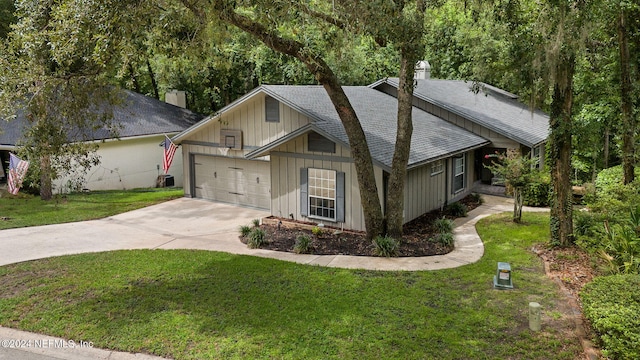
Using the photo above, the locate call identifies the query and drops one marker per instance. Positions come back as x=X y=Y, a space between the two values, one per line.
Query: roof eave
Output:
x=447 y=155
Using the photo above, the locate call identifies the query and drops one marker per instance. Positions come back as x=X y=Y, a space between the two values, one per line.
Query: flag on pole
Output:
x=17 y=171
x=169 y=150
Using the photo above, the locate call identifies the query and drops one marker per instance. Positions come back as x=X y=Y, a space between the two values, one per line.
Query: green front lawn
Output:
x=197 y=304
x=27 y=210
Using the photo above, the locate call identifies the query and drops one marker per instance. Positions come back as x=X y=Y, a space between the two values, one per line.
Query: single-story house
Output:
x=134 y=159
x=283 y=149
x=490 y=112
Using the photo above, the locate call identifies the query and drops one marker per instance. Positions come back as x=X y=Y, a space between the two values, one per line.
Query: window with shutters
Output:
x=272 y=109
x=458 y=174
x=322 y=194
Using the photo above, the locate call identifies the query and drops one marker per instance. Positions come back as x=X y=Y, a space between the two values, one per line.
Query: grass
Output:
x=197 y=305
x=27 y=210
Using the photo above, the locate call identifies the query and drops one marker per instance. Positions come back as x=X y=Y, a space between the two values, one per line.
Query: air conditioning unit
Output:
x=231 y=139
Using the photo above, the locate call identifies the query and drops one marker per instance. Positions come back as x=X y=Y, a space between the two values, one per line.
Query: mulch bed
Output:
x=415 y=240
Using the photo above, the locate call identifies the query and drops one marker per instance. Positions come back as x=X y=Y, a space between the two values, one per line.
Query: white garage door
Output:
x=234 y=181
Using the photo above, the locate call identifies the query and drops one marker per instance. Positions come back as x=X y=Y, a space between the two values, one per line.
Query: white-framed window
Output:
x=535 y=154
x=322 y=194
x=437 y=167
x=458 y=173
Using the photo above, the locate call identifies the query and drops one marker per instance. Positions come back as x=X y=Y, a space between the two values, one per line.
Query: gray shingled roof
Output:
x=433 y=138
x=502 y=114
x=138 y=115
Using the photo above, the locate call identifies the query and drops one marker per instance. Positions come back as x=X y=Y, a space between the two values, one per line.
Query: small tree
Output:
x=517 y=171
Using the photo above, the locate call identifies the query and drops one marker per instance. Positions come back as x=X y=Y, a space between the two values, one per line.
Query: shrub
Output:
x=245 y=230
x=256 y=238
x=445 y=239
x=622 y=249
x=538 y=191
x=303 y=244
x=255 y=222
x=386 y=246
x=316 y=230
x=612 y=305
x=477 y=198
x=443 y=225
x=457 y=209
x=611 y=197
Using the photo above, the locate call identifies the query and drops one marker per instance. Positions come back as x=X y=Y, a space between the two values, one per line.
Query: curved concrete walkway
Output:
x=203 y=225
x=192 y=224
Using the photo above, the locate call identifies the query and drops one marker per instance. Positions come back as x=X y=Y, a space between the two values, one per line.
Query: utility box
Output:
x=502 y=279
x=165 y=181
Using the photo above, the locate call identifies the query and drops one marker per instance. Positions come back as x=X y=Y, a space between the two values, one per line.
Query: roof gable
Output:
x=494 y=108
x=433 y=138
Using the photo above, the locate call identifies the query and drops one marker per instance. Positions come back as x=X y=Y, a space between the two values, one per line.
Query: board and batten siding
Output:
x=424 y=192
x=468 y=178
x=250 y=118
x=286 y=162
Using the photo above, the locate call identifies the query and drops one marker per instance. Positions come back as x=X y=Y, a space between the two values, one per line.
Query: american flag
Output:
x=17 y=171
x=169 y=150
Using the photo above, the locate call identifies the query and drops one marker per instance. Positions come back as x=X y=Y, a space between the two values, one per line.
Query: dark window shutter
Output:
x=272 y=109
x=304 y=192
x=340 y=196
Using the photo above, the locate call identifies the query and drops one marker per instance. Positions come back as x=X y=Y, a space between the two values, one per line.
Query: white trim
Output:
x=311 y=187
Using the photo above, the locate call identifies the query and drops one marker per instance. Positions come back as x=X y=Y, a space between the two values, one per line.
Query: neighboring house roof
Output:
x=433 y=138
x=491 y=107
x=138 y=115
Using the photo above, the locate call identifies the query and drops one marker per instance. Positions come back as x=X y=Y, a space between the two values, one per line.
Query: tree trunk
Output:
x=154 y=84
x=370 y=201
x=517 y=204
x=561 y=222
x=46 y=187
x=134 y=79
x=606 y=148
x=628 y=123
x=395 y=189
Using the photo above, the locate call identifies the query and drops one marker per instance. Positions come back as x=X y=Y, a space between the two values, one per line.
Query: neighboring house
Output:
x=284 y=149
x=134 y=159
x=492 y=113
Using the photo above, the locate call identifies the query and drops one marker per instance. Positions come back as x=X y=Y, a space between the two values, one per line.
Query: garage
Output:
x=234 y=181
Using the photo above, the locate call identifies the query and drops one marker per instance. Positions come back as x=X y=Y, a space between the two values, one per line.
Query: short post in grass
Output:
x=534 y=316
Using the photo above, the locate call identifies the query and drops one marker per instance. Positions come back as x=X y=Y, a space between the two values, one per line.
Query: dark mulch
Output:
x=415 y=241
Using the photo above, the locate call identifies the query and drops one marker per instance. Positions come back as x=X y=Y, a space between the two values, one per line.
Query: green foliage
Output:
x=612 y=305
x=621 y=249
x=456 y=209
x=588 y=229
x=538 y=190
x=303 y=244
x=255 y=222
x=385 y=246
x=245 y=230
x=611 y=198
x=6 y=17
x=477 y=198
x=445 y=239
x=316 y=230
x=443 y=225
x=257 y=238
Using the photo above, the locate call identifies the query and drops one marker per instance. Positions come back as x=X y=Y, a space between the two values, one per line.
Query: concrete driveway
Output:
x=178 y=224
